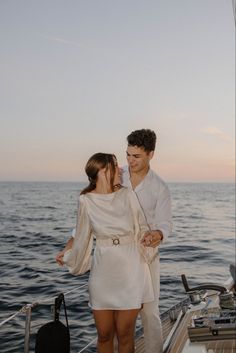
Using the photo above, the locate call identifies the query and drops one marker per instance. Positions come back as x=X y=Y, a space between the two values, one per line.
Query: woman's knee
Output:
x=125 y=334
x=105 y=336
x=125 y=338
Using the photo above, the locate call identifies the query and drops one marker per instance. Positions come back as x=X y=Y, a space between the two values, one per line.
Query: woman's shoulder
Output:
x=127 y=192
x=82 y=198
x=123 y=190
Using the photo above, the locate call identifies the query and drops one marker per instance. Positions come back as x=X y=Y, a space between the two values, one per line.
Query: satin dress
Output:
x=119 y=272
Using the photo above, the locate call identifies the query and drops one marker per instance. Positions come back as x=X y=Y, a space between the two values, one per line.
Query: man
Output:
x=154 y=198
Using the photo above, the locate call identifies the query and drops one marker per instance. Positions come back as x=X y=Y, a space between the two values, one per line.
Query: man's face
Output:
x=138 y=159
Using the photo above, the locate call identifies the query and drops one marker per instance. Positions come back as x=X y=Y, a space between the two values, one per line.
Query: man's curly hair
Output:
x=144 y=138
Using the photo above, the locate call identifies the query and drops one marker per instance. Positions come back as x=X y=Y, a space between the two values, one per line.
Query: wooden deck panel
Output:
x=167 y=325
x=226 y=346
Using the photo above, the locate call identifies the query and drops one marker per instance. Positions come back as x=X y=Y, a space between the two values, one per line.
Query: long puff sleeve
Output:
x=141 y=226
x=78 y=258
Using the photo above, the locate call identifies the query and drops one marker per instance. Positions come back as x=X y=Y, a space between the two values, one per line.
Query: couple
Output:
x=129 y=222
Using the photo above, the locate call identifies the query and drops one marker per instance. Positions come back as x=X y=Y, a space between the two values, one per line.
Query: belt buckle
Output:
x=116 y=241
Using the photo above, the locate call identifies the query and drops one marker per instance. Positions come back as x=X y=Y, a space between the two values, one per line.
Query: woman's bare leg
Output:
x=105 y=324
x=125 y=326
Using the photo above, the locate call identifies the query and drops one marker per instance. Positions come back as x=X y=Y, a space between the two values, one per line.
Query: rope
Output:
x=11 y=317
x=89 y=344
x=24 y=308
x=21 y=311
x=72 y=290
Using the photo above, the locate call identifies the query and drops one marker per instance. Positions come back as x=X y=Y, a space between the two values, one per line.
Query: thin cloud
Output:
x=63 y=41
x=214 y=131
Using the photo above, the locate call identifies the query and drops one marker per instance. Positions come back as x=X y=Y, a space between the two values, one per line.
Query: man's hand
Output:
x=152 y=238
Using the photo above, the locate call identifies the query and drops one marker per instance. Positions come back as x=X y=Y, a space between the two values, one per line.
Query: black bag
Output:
x=54 y=336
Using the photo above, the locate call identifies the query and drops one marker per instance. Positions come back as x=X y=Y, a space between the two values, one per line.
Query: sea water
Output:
x=36 y=220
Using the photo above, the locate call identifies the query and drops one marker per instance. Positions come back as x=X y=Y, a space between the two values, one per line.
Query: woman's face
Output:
x=117 y=177
x=105 y=174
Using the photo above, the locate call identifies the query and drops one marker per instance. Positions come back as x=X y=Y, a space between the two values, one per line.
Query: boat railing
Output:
x=27 y=310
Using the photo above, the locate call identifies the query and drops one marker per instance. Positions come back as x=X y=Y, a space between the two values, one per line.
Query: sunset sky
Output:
x=78 y=76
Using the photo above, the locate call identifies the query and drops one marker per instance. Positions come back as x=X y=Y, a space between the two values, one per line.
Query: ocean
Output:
x=36 y=219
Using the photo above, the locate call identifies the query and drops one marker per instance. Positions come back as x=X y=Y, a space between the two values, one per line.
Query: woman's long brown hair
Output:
x=95 y=163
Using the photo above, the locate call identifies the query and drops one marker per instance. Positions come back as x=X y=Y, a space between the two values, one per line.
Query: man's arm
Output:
x=162 y=223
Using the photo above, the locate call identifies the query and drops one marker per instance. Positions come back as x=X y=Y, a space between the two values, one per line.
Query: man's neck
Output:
x=137 y=177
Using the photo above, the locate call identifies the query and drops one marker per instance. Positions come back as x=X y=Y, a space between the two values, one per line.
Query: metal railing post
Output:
x=27 y=328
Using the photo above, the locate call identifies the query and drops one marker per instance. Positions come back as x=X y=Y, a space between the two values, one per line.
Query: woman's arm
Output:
x=60 y=255
x=77 y=255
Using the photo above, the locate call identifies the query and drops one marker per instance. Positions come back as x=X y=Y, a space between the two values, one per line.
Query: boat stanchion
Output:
x=173 y=314
x=28 y=308
x=184 y=308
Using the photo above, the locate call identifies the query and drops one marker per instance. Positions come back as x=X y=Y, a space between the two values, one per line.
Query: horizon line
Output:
x=84 y=181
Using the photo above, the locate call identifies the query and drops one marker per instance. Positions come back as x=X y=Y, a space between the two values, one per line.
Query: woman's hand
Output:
x=60 y=255
x=59 y=258
x=152 y=238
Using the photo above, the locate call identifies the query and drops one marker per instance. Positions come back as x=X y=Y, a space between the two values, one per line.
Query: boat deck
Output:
x=181 y=343
x=175 y=332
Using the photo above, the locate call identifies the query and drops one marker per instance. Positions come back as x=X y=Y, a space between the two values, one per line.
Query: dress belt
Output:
x=115 y=240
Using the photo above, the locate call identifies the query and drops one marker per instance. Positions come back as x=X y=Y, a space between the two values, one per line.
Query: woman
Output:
x=119 y=281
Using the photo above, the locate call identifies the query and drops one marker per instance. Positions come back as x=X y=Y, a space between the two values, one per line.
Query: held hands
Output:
x=152 y=238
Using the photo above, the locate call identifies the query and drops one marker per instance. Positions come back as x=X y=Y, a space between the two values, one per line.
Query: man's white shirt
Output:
x=155 y=200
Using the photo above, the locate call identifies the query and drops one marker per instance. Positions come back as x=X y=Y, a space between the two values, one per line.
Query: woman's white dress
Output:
x=119 y=275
